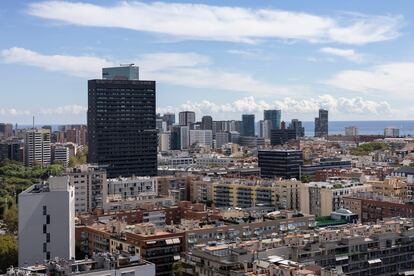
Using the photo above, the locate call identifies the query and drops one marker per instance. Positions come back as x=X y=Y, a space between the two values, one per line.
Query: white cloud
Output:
x=185 y=69
x=340 y=107
x=392 y=79
x=74 y=109
x=349 y=54
x=13 y=112
x=74 y=65
x=222 y=23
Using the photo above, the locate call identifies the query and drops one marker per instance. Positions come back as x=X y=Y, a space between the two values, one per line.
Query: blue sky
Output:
x=222 y=58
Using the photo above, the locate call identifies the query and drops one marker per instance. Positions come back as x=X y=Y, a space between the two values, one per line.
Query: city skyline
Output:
x=349 y=58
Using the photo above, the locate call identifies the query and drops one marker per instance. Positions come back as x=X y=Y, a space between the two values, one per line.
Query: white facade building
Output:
x=37 y=147
x=47 y=222
x=91 y=187
x=61 y=154
x=351 y=131
x=165 y=141
x=202 y=138
x=185 y=137
x=391 y=132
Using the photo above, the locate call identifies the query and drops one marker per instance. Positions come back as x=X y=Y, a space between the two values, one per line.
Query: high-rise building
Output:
x=164 y=141
x=274 y=116
x=37 y=148
x=222 y=138
x=207 y=122
x=321 y=124
x=47 y=222
x=121 y=123
x=186 y=118
x=91 y=187
x=169 y=118
x=265 y=127
x=247 y=125
x=6 y=130
x=280 y=163
x=175 y=139
x=391 y=132
x=202 y=138
x=351 y=131
x=297 y=126
x=282 y=136
x=184 y=137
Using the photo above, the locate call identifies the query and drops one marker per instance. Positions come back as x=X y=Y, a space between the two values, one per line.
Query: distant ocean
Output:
x=364 y=127
x=338 y=127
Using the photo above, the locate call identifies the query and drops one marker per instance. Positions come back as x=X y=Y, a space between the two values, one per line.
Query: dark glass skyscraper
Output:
x=247 y=127
x=121 y=123
x=207 y=122
x=321 y=124
x=280 y=163
x=274 y=116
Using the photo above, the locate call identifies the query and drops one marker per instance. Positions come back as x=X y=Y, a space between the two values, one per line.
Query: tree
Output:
x=8 y=252
x=10 y=219
x=305 y=179
x=177 y=268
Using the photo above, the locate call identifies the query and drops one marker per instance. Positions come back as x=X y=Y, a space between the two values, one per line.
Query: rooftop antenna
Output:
x=33 y=122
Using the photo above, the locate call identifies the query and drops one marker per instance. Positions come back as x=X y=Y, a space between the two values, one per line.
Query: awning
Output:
x=169 y=242
x=341 y=258
x=374 y=261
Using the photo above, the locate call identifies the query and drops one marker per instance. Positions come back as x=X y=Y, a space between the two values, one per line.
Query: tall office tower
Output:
x=351 y=131
x=280 y=163
x=321 y=124
x=91 y=187
x=247 y=125
x=47 y=222
x=207 y=122
x=186 y=118
x=175 y=139
x=121 y=123
x=37 y=147
x=202 y=138
x=6 y=130
x=184 y=137
x=298 y=127
x=169 y=118
x=274 y=116
x=265 y=128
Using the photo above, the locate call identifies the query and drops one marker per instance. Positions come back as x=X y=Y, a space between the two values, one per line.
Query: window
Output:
x=48 y=237
x=44 y=247
x=44 y=210
x=48 y=219
x=48 y=255
x=44 y=228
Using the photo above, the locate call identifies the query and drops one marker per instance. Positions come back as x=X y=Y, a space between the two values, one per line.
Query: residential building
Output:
x=60 y=154
x=351 y=131
x=37 y=150
x=221 y=138
x=391 y=132
x=265 y=127
x=6 y=130
x=47 y=222
x=91 y=187
x=121 y=123
x=99 y=264
x=323 y=198
x=164 y=141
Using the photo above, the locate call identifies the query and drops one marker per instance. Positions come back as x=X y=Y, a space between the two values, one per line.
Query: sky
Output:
x=220 y=58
